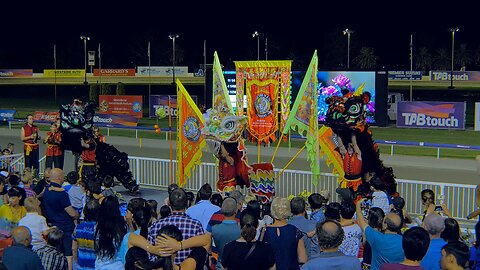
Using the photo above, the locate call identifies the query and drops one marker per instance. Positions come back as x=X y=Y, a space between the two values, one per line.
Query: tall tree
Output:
x=463 y=56
x=366 y=59
x=442 y=60
x=423 y=59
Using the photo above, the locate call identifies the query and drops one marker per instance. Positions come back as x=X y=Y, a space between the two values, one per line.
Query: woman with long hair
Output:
x=111 y=228
x=375 y=220
x=451 y=233
x=475 y=250
x=246 y=252
x=128 y=253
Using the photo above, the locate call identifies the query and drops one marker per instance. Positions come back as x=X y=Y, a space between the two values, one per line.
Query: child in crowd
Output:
x=107 y=189
x=153 y=207
x=35 y=222
x=27 y=180
x=75 y=191
x=315 y=200
x=165 y=211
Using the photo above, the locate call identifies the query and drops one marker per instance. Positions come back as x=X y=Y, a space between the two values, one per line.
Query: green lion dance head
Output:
x=223 y=126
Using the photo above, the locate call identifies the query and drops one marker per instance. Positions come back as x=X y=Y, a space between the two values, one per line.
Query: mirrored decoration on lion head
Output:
x=76 y=120
x=223 y=126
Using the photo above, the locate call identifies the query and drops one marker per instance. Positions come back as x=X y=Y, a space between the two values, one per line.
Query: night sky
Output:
x=29 y=31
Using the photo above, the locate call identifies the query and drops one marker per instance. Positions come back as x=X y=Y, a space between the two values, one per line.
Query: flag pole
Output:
x=170 y=137
x=276 y=148
x=55 y=67
x=100 y=64
x=290 y=162
x=149 y=81
x=258 y=151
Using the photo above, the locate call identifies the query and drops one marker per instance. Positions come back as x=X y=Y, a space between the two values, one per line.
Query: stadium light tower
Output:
x=453 y=30
x=258 y=35
x=173 y=37
x=348 y=32
x=85 y=38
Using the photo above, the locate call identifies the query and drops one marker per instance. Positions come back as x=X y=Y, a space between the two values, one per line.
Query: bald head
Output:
x=57 y=176
x=393 y=222
x=330 y=235
x=21 y=235
x=434 y=224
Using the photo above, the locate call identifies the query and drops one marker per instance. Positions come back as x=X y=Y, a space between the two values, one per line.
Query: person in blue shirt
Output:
x=204 y=209
x=387 y=246
x=307 y=227
x=316 y=202
x=434 y=224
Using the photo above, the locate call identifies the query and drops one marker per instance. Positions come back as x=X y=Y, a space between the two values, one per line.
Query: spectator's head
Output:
x=316 y=201
x=108 y=181
x=266 y=209
x=297 y=206
x=281 y=208
x=344 y=193
x=46 y=174
x=398 y=203
x=428 y=197
x=377 y=184
x=15 y=196
x=248 y=224
x=3 y=190
x=333 y=211
x=27 y=177
x=455 y=255
x=434 y=224
x=205 y=192
x=217 y=199
x=255 y=208
x=110 y=229
x=190 y=198
x=134 y=203
x=229 y=207
x=14 y=180
x=55 y=238
x=21 y=235
x=392 y=222
x=375 y=218
x=330 y=235
x=32 y=204
x=142 y=217
x=90 y=211
x=165 y=211
x=347 y=209
x=325 y=194
x=72 y=177
x=57 y=176
x=239 y=197
x=178 y=199
x=171 y=188
x=415 y=243
x=451 y=232
x=153 y=207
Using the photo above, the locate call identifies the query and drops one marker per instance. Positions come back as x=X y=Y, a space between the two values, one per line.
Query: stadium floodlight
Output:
x=85 y=39
x=173 y=37
x=258 y=35
x=453 y=31
x=348 y=32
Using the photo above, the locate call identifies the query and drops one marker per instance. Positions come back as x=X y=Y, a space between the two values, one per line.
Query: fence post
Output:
x=136 y=133
x=391 y=150
x=108 y=131
x=137 y=170
x=438 y=152
x=9 y=124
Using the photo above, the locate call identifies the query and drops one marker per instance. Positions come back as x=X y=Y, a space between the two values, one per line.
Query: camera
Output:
x=438 y=208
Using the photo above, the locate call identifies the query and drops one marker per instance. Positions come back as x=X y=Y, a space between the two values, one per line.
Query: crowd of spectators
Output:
x=54 y=224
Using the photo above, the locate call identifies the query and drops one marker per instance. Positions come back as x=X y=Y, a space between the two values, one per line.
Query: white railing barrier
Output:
x=459 y=198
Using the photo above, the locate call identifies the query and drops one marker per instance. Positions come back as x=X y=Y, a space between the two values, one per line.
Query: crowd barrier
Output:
x=152 y=172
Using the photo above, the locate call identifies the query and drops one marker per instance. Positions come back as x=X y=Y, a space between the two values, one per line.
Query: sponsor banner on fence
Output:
x=110 y=119
x=401 y=75
x=7 y=115
x=163 y=71
x=161 y=101
x=457 y=75
x=14 y=73
x=476 y=125
x=45 y=116
x=72 y=73
x=426 y=114
x=121 y=105
x=114 y=72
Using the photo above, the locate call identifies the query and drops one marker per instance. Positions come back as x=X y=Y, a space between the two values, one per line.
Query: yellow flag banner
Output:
x=189 y=140
x=221 y=101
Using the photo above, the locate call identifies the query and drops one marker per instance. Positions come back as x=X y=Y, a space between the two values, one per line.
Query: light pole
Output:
x=85 y=38
x=453 y=30
x=258 y=35
x=348 y=32
x=173 y=37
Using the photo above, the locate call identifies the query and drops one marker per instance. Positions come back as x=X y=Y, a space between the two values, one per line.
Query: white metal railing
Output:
x=155 y=172
x=12 y=163
x=459 y=198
